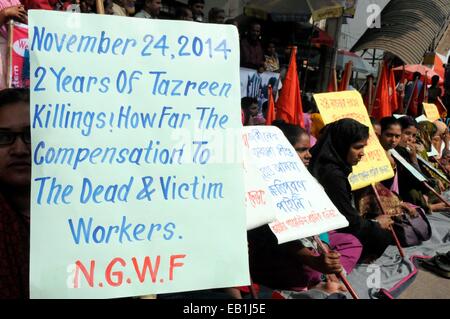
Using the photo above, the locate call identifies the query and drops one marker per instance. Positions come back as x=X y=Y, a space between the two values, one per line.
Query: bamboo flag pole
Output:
x=371 y=93
x=100 y=6
x=341 y=274
x=9 y=58
x=397 y=242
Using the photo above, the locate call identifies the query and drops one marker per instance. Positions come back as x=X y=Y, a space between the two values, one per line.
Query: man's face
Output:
x=391 y=137
x=356 y=152
x=255 y=32
x=197 y=8
x=15 y=158
x=302 y=147
x=154 y=7
x=408 y=136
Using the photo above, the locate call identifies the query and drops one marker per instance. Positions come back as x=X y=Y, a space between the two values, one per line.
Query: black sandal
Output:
x=439 y=264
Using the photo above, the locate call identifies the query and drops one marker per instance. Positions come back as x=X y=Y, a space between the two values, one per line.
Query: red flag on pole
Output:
x=270 y=117
x=289 y=104
x=393 y=92
x=382 y=106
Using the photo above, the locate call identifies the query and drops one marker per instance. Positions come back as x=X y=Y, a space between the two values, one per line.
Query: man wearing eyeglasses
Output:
x=15 y=184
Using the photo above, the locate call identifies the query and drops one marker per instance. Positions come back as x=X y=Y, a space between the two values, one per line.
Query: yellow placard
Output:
x=431 y=111
x=325 y=9
x=375 y=165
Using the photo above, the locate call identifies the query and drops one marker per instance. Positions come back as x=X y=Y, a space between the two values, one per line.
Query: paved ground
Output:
x=427 y=286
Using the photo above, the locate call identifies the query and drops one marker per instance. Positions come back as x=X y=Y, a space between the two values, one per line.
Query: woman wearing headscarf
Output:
x=441 y=143
x=341 y=146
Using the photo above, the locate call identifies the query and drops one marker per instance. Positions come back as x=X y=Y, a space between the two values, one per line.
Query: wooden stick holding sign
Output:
x=397 y=242
x=442 y=199
x=10 y=50
x=100 y=6
x=341 y=275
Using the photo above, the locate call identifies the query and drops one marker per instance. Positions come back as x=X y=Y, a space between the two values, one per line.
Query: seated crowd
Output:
x=297 y=265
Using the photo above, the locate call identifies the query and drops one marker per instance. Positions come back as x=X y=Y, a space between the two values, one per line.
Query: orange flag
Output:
x=289 y=104
x=392 y=92
x=270 y=117
x=382 y=107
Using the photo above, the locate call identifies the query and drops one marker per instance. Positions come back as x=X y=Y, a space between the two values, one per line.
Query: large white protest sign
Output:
x=126 y=200
x=302 y=207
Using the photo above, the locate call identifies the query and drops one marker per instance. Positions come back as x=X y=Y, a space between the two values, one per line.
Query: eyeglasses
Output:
x=9 y=138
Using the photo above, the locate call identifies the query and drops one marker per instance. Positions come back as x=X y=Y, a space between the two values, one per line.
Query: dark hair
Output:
x=291 y=131
x=435 y=78
x=247 y=101
x=192 y=2
x=12 y=96
x=181 y=12
x=407 y=121
x=417 y=75
x=374 y=121
x=212 y=15
x=387 y=122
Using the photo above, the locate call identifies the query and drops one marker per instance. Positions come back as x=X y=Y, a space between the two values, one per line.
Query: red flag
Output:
x=270 y=117
x=289 y=104
x=392 y=92
x=382 y=107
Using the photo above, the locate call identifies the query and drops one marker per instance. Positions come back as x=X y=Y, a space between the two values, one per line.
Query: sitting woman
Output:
x=411 y=148
x=409 y=233
x=340 y=147
x=296 y=265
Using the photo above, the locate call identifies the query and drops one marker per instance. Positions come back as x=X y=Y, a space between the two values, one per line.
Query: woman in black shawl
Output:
x=341 y=146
